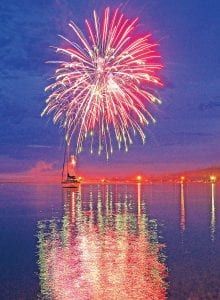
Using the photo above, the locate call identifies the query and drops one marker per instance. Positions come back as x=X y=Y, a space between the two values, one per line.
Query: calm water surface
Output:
x=110 y=242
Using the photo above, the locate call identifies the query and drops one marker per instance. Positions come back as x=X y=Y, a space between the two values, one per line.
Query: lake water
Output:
x=110 y=242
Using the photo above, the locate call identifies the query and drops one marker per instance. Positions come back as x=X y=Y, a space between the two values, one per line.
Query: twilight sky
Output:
x=187 y=134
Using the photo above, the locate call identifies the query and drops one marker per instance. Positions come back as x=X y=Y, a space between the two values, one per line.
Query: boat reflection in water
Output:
x=104 y=247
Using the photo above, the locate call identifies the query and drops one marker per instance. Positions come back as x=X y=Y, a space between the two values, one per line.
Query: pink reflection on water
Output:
x=99 y=262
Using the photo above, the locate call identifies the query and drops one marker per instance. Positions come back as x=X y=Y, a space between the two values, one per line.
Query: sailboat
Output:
x=69 y=179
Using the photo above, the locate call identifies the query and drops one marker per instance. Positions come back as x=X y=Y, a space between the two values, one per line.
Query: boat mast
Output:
x=65 y=160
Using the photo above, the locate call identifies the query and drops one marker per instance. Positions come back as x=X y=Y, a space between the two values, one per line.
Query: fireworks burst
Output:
x=102 y=86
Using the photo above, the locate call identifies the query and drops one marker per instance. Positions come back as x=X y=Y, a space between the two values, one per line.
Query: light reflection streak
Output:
x=182 y=208
x=73 y=208
x=212 y=225
x=114 y=256
x=139 y=198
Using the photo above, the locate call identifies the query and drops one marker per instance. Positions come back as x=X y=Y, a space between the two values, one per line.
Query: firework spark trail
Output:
x=103 y=83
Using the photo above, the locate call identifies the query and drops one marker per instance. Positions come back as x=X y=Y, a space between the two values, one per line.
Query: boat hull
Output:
x=70 y=184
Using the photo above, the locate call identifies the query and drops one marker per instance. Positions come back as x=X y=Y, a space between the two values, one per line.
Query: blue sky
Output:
x=187 y=133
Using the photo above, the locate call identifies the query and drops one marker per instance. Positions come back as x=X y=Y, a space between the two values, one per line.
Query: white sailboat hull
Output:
x=70 y=183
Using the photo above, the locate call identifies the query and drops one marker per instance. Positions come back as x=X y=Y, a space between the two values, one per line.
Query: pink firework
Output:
x=102 y=85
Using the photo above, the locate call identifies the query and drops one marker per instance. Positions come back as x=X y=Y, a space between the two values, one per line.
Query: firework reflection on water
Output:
x=102 y=248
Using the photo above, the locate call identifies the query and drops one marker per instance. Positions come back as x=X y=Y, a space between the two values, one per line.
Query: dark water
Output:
x=110 y=242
